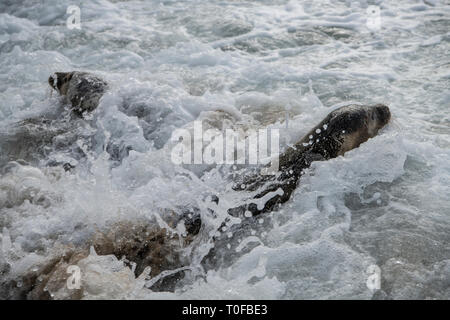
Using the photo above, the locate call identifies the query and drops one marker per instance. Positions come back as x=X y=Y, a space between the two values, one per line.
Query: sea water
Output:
x=382 y=210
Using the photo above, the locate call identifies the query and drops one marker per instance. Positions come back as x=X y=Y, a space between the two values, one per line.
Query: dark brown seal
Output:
x=81 y=89
x=342 y=130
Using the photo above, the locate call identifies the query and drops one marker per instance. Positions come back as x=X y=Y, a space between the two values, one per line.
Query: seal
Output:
x=81 y=89
x=342 y=130
x=142 y=246
x=146 y=244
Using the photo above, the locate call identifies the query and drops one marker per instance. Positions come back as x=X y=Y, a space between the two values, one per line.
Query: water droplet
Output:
x=318 y=130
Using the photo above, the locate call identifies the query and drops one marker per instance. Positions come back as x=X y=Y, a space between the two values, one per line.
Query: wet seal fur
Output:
x=138 y=244
x=81 y=89
x=342 y=130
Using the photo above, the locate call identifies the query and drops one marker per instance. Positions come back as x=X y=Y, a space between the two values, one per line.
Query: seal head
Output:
x=353 y=125
x=81 y=89
x=342 y=130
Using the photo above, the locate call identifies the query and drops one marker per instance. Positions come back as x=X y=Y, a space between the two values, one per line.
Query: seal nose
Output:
x=383 y=113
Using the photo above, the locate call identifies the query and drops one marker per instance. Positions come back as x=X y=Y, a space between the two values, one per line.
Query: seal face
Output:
x=353 y=125
x=83 y=90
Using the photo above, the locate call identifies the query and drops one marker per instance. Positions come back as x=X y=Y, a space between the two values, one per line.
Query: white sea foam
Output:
x=235 y=65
